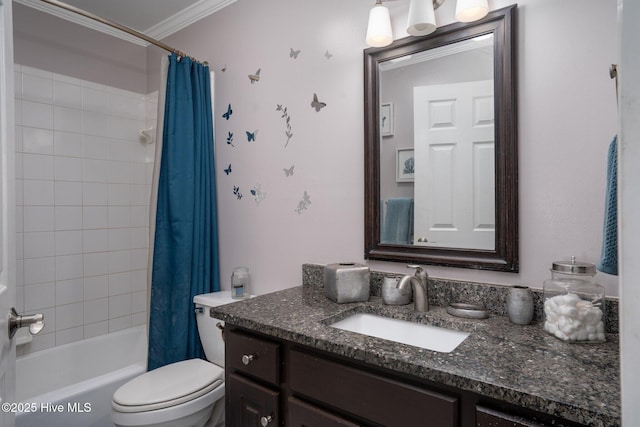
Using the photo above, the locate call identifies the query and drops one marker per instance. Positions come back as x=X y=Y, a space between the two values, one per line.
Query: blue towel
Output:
x=398 y=222
x=609 y=258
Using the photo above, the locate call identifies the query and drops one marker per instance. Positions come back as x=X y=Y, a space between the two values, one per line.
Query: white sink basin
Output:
x=417 y=334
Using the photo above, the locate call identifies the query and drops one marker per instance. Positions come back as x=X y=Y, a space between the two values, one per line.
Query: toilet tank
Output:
x=210 y=334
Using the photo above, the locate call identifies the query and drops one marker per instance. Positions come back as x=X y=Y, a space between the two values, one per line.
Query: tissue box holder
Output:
x=346 y=282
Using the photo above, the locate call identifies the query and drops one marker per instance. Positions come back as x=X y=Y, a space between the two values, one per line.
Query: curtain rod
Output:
x=117 y=26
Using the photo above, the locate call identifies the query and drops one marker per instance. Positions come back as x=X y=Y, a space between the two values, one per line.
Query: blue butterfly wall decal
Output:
x=328 y=55
x=251 y=136
x=228 y=170
x=294 y=53
x=228 y=113
x=230 y=139
x=288 y=172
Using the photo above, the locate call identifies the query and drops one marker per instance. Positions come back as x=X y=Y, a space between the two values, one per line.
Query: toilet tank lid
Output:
x=215 y=299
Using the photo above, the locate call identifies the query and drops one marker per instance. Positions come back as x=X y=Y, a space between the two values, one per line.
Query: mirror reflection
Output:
x=437 y=147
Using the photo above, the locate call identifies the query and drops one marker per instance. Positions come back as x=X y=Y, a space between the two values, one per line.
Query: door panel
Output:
x=7 y=210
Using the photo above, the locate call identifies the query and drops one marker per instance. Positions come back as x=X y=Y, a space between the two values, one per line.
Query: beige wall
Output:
x=567 y=117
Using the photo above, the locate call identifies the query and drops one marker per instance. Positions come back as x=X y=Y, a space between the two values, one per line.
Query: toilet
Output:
x=189 y=393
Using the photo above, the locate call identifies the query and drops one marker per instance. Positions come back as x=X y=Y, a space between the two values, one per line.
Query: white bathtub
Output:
x=72 y=385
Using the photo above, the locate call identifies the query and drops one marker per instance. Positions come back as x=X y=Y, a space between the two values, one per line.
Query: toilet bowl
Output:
x=189 y=393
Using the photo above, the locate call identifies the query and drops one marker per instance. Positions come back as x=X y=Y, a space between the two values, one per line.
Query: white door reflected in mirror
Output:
x=454 y=201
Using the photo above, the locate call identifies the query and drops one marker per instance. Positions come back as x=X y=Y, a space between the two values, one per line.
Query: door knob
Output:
x=35 y=322
x=264 y=421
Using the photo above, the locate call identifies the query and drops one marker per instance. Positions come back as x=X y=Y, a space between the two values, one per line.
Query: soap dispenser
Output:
x=240 y=282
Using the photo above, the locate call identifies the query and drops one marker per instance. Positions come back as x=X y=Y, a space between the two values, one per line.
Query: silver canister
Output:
x=346 y=282
x=391 y=295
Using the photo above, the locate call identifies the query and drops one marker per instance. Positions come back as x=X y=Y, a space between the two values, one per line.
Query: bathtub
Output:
x=72 y=385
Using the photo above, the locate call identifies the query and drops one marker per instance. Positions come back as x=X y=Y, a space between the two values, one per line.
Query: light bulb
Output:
x=471 y=10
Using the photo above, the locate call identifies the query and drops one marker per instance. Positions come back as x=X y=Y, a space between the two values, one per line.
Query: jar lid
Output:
x=574 y=267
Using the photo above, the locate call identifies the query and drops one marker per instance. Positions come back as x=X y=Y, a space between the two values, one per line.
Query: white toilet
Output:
x=182 y=394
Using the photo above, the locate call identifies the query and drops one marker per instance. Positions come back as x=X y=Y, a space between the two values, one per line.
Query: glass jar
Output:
x=574 y=304
x=240 y=282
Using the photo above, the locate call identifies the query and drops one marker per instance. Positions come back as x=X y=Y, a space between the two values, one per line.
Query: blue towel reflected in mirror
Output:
x=397 y=227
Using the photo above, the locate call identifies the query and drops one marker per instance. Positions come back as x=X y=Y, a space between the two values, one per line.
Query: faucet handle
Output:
x=420 y=270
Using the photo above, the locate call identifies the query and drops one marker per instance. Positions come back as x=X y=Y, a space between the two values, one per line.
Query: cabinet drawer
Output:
x=373 y=397
x=302 y=414
x=254 y=356
x=489 y=418
x=250 y=404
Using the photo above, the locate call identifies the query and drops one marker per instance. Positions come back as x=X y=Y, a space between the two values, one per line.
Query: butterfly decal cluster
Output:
x=287 y=121
x=257 y=194
x=317 y=104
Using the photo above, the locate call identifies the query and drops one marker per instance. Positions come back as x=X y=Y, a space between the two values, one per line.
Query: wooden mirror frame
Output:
x=504 y=256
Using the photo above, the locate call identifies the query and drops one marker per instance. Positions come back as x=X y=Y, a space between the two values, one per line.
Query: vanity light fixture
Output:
x=379 y=28
x=422 y=18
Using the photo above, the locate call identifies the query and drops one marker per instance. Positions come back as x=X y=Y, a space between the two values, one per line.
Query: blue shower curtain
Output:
x=185 y=260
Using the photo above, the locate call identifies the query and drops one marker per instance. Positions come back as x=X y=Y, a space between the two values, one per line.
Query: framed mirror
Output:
x=441 y=147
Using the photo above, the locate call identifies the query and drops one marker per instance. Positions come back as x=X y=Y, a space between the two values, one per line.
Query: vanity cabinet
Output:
x=271 y=382
x=367 y=395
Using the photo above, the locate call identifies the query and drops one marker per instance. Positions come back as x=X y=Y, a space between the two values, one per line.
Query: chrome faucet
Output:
x=419 y=283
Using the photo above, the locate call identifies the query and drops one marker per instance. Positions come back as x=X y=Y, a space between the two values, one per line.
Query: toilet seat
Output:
x=168 y=386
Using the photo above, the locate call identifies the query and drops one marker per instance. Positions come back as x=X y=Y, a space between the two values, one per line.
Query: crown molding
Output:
x=159 y=31
x=186 y=17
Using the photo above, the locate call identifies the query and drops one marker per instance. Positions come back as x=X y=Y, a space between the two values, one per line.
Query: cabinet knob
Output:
x=264 y=421
x=247 y=358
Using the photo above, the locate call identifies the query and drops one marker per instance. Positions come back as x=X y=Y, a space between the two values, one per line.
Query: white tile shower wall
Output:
x=83 y=178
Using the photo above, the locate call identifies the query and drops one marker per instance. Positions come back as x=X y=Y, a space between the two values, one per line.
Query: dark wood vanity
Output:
x=274 y=382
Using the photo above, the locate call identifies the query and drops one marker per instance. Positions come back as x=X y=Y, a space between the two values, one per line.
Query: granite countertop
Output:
x=522 y=365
